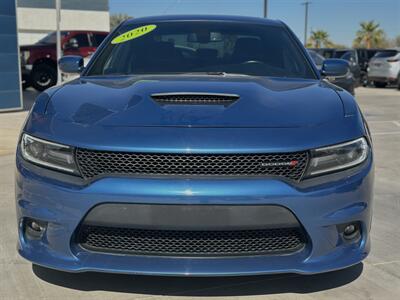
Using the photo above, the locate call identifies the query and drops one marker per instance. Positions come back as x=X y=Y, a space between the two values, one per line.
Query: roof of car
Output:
x=164 y=18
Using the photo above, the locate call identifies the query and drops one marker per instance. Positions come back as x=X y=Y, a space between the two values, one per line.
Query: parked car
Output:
x=364 y=56
x=384 y=68
x=358 y=59
x=346 y=81
x=39 y=61
x=352 y=56
x=235 y=159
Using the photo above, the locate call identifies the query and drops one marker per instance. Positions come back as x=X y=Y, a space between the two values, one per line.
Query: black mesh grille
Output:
x=195 y=99
x=288 y=165
x=191 y=243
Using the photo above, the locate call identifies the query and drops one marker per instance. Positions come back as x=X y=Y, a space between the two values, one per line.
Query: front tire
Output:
x=43 y=76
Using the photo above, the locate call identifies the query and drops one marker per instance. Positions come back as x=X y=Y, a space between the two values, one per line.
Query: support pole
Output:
x=265 y=8
x=306 y=4
x=58 y=34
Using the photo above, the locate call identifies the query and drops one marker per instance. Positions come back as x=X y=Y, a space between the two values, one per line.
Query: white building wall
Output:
x=35 y=23
x=28 y=38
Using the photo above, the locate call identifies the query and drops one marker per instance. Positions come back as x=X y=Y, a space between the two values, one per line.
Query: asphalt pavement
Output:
x=378 y=277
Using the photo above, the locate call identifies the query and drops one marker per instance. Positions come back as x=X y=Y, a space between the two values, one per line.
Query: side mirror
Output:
x=71 y=64
x=335 y=67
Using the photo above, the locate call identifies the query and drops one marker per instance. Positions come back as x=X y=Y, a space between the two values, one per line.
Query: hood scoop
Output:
x=194 y=98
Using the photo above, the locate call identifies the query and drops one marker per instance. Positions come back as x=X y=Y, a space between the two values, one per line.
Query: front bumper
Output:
x=384 y=79
x=387 y=75
x=320 y=205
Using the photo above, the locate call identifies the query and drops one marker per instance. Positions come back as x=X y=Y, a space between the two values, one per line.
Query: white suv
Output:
x=384 y=68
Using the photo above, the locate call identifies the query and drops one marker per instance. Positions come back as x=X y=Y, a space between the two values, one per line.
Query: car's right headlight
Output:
x=337 y=157
x=48 y=154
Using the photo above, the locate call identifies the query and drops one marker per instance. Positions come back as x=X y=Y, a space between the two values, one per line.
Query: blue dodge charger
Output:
x=196 y=145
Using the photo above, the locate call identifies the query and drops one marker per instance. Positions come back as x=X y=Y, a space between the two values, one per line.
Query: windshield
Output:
x=203 y=47
x=388 y=53
x=51 y=38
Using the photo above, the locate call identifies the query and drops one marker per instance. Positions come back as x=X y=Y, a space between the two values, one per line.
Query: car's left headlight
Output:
x=48 y=154
x=337 y=157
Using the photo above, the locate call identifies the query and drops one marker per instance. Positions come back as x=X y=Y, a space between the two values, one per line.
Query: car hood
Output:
x=264 y=102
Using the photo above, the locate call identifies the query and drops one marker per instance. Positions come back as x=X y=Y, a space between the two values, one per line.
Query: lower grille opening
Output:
x=191 y=243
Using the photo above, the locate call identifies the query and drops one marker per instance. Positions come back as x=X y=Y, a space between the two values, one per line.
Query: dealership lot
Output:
x=377 y=278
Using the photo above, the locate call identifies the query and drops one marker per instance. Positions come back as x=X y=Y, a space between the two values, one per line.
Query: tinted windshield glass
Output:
x=386 y=53
x=371 y=53
x=51 y=38
x=190 y=47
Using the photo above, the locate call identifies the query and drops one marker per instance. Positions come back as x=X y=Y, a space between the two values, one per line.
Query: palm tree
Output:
x=369 y=35
x=397 y=41
x=319 y=38
x=116 y=19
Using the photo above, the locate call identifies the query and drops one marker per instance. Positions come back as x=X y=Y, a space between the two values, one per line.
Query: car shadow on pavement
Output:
x=200 y=286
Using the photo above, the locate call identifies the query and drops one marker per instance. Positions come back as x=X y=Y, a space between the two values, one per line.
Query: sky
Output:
x=340 y=18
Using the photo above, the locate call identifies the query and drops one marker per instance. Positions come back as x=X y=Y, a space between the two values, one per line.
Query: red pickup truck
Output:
x=39 y=61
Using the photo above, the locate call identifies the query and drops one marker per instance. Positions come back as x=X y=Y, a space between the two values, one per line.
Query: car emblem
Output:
x=292 y=163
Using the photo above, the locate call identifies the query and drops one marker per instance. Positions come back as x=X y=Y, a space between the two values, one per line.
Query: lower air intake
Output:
x=191 y=243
